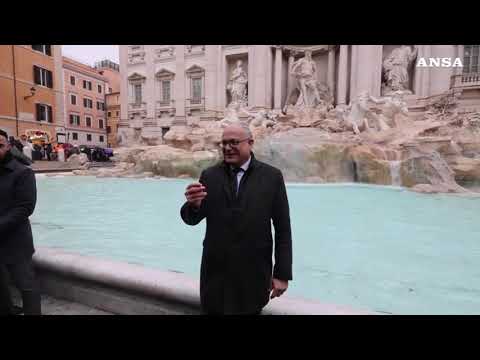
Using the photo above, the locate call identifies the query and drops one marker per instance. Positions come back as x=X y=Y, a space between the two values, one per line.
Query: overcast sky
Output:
x=89 y=54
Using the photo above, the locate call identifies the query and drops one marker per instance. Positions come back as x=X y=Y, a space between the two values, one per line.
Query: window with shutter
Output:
x=38 y=111
x=71 y=119
x=100 y=124
x=49 y=79
x=84 y=84
x=197 y=91
x=89 y=85
x=44 y=112
x=138 y=94
x=50 y=114
x=36 y=75
x=48 y=50
x=72 y=80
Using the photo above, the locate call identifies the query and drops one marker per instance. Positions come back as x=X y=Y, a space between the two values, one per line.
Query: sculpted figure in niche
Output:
x=305 y=71
x=395 y=69
x=238 y=85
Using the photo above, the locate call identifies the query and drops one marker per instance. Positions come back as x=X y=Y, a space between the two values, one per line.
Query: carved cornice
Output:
x=165 y=53
x=164 y=74
x=299 y=49
x=195 y=70
x=136 y=76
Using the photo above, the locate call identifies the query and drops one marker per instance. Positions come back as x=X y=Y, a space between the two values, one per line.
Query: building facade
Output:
x=31 y=88
x=111 y=71
x=164 y=85
x=85 y=107
x=113 y=117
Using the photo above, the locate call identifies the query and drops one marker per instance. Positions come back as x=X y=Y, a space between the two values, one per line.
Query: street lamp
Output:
x=32 y=93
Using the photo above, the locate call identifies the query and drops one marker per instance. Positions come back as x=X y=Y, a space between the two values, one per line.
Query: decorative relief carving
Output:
x=194 y=49
x=166 y=52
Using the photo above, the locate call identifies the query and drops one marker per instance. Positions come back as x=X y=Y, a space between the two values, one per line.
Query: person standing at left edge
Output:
x=18 y=196
x=240 y=198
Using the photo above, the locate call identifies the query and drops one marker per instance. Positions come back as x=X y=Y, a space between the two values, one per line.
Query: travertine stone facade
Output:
x=165 y=85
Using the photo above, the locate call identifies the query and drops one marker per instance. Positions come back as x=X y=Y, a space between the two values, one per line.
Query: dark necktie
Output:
x=235 y=172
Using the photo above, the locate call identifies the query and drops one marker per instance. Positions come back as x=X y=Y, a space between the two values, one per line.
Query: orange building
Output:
x=111 y=71
x=85 y=90
x=113 y=117
x=31 y=94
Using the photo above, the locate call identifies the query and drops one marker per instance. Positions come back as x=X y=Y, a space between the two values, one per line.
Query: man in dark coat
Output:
x=18 y=196
x=244 y=197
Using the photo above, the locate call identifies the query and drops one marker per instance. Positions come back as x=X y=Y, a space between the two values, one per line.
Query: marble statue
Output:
x=395 y=69
x=394 y=105
x=238 y=85
x=305 y=71
x=356 y=114
x=264 y=119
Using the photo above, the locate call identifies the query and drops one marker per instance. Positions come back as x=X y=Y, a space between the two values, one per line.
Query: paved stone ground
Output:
x=43 y=166
x=46 y=166
x=52 y=306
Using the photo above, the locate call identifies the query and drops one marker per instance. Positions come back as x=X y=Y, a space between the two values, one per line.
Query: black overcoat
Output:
x=237 y=267
x=18 y=196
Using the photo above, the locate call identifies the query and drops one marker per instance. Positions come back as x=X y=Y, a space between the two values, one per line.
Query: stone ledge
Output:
x=124 y=288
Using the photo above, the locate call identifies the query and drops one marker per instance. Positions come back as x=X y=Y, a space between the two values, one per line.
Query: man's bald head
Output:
x=237 y=143
x=239 y=126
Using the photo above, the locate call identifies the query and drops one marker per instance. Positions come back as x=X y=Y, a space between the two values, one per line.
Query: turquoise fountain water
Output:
x=378 y=248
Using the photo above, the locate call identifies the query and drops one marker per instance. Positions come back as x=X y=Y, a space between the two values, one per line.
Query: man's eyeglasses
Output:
x=232 y=143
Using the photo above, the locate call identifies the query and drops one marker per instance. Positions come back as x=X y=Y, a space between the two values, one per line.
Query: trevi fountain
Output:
x=432 y=147
x=382 y=191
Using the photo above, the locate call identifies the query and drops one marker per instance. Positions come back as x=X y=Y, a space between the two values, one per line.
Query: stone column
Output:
x=376 y=69
x=421 y=85
x=441 y=76
x=260 y=73
x=366 y=69
x=211 y=54
x=331 y=70
x=278 y=79
x=342 y=75
x=353 y=72
x=251 y=76
x=149 y=91
x=180 y=118
x=221 y=81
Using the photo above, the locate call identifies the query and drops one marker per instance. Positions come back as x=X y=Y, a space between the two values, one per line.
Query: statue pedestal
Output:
x=306 y=117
